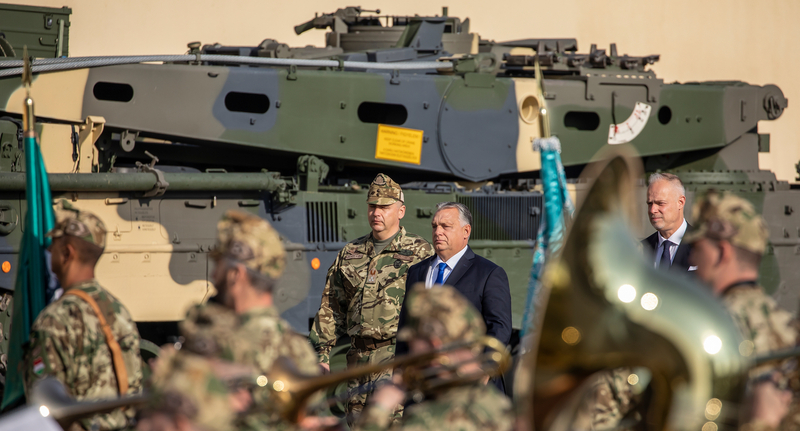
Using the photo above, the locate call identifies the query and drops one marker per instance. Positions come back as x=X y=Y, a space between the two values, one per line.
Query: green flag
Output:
x=32 y=273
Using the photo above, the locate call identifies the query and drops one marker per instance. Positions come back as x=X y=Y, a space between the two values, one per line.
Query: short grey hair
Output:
x=672 y=178
x=464 y=216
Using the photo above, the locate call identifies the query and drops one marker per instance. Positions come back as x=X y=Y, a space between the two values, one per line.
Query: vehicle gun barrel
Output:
x=348 y=16
x=140 y=182
x=306 y=26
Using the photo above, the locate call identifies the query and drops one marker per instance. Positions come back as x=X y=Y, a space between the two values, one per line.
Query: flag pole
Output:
x=32 y=273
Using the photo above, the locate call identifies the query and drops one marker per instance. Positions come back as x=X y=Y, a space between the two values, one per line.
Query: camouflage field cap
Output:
x=723 y=215
x=384 y=191
x=211 y=330
x=189 y=385
x=443 y=312
x=252 y=241
x=82 y=224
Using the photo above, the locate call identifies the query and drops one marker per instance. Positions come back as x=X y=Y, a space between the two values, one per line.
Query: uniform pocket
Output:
x=353 y=278
x=388 y=300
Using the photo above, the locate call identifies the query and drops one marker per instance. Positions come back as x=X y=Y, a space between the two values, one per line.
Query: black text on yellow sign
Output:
x=399 y=144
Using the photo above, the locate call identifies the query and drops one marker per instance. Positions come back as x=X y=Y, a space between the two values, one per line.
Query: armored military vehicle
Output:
x=160 y=146
x=43 y=30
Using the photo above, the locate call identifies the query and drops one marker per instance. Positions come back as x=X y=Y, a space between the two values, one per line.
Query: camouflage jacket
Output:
x=609 y=398
x=273 y=337
x=759 y=318
x=364 y=290
x=68 y=343
x=189 y=385
x=769 y=328
x=476 y=407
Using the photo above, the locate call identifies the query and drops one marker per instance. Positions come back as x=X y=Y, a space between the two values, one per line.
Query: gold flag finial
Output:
x=28 y=119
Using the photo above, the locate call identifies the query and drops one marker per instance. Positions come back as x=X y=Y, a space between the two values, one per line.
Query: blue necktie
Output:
x=440 y=276
x=665 y=261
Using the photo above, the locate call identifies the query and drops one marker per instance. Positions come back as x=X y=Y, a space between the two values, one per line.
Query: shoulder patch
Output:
x=38 y=365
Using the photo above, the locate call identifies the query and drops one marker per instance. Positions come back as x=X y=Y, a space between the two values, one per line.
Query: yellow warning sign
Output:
x=399 y=144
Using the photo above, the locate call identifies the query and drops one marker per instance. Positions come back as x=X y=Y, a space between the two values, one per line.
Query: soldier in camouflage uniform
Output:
x=248 y=260
x=67 y=341
x=728 y=243
x=437 y=317
x=365 y=289
x=609 y=403
x=192 y=392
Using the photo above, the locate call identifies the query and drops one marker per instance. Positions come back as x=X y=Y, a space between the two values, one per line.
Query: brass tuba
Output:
x=607 y=308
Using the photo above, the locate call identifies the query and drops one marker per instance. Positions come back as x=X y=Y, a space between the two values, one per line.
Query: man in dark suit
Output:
x=666 y=198
x=481 y=281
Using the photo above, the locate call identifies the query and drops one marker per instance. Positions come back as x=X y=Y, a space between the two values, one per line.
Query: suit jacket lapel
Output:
x=681 y=256
x=653 y=241
x=681 y=259
x=422 y=270
x=461 y=268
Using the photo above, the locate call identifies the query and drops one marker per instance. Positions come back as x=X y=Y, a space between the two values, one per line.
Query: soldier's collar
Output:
x=85 y=283
x=270 y=311
x=746 y=283
x=392 y=246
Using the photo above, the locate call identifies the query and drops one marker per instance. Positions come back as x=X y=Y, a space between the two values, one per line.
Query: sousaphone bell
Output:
x=607 y=308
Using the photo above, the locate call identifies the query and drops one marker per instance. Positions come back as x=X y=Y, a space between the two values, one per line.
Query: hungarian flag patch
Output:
x=38 y=366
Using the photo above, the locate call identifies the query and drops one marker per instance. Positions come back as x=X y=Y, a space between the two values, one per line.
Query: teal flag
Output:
x=557 y=208
x=32 y=272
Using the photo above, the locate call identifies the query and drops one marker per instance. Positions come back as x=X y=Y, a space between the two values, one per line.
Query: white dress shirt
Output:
x=675 y=239
x=433 y=270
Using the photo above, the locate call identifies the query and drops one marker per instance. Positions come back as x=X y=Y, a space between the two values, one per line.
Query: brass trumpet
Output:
x=52 y=398
x=293 y=389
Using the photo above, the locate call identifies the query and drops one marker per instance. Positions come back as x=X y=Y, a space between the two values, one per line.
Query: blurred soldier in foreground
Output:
x=437 y=317
x=191 y=392
x=86 y=339
x=729 y=241
x=365 y=290
x=248 y=261
x=609 y=402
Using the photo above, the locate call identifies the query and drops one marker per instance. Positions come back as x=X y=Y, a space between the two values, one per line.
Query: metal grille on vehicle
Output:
x=504 y=217
x=323 y=222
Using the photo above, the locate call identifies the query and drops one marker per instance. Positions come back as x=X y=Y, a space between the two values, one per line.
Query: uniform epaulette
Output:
x=360 y=240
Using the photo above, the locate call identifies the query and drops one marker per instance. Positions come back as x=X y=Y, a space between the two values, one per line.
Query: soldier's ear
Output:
x=402 y=211
x=727 y=252
x=67 y=251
